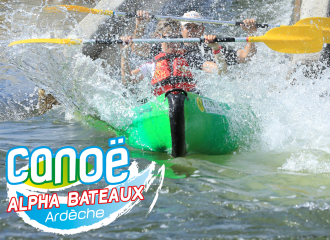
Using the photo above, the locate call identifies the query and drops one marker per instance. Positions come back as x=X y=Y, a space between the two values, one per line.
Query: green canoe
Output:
x=185 y=123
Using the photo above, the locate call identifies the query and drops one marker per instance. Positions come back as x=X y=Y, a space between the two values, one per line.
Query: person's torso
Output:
x=171 y=68
x=196 y=55
x=172 y=71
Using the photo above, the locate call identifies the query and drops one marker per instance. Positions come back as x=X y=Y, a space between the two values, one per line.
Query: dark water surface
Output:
x=275 y=187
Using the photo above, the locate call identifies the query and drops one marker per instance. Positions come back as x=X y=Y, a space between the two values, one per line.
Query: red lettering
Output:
x=54 y=201
x=32 y=200
x=113 y=196
x=103 y=194
x=128 y=196
x=84 y=199
x=12 y=205
x=72 y=199
x=92 y=193
x=138 y=193
x=43 y=201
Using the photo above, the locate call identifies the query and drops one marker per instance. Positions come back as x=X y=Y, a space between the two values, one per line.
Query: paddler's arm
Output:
x=125 y=69
x=128 y=76
x=220 y=65
x=142 y=19
x=245 y=54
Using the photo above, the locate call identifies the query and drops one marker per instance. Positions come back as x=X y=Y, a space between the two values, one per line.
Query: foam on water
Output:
x=312 y=161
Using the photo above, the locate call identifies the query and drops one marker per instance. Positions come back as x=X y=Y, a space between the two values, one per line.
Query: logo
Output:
x=35 y=192
x=210 y=106
x=200 y=104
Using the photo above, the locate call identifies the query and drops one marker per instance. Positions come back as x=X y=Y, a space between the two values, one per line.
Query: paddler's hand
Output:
x=249 y=26
x=127 y=42
x=142 y=18
x=209 y=39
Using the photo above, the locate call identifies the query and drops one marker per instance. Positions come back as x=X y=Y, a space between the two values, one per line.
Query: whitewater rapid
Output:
x=276 y=185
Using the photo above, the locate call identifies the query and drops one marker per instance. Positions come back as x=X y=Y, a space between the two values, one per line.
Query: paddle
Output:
x=322 y=23
x=49 y=40
x=289 y=39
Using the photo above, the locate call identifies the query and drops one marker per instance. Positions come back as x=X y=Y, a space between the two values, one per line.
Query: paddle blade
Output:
x=48 y=40
x=79 y=9
x=53 y=9
x=292 y=39
x=322 y=23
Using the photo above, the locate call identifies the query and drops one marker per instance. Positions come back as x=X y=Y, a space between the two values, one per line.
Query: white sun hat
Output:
x=192 y=14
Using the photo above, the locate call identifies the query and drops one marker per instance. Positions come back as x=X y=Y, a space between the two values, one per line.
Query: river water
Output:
x=274 y=186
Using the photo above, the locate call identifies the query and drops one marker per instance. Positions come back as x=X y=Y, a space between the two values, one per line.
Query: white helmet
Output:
x=191 y=14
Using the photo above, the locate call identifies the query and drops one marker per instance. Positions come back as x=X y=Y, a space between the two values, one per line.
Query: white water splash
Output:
x=311 y=161
x=288 y=116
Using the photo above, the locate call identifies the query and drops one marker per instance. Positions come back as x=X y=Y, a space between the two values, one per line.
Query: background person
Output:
x=170 y=68
x=196 y=54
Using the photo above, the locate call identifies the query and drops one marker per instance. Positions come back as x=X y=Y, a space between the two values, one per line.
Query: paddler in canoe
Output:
x=187 y=122
x=198 y=56
x=170 y=69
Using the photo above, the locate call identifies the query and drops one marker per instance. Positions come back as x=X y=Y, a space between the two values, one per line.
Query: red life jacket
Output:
x=171 y=71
